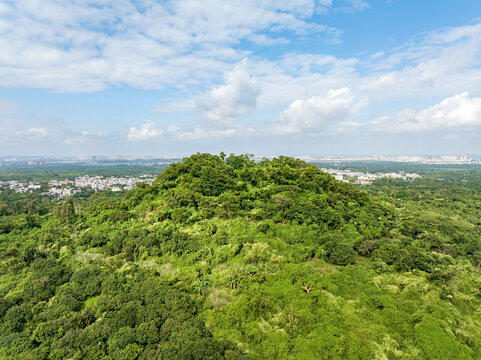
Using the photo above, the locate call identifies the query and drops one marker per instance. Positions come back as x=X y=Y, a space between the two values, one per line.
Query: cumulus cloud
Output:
x=238 y=96
x=317 y=112
x=145 y=132
x=459 y=111
x=36 y=133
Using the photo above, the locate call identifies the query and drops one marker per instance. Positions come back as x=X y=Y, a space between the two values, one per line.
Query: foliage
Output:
x=226 y=258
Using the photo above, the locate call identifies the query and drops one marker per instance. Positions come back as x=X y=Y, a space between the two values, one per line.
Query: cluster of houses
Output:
x=20 y=187
x=66 y=188
x=360 y=178
x=100 y=183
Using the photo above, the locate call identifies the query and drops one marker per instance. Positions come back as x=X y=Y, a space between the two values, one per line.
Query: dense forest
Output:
x=227 y=258
x=70 y=171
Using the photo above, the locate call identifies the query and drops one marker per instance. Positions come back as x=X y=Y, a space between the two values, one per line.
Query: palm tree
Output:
x=201 y=285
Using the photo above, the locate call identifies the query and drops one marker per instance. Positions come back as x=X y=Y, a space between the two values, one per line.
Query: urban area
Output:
x=360 y=178
x=65 y=188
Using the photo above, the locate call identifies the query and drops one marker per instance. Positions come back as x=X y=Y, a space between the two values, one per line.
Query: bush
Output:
x=14 y=319
x=342 y=254
x=338 y=249
x=388 y=253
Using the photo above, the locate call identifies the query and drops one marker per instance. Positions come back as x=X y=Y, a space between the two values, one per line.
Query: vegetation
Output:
x=225 y=258
x=70 y=171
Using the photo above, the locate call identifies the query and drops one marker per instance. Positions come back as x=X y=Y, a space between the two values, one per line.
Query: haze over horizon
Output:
x=324 y=77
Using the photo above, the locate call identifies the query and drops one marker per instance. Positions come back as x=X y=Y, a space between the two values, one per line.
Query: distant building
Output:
x=362 y=182
x=36 y=162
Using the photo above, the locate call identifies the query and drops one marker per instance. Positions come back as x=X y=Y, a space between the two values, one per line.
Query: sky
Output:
x=266 y=77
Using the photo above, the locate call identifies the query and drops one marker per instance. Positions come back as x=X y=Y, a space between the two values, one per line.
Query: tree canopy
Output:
x=223 y=257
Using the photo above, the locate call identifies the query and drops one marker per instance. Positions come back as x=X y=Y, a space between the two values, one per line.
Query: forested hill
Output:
x=225 y=258
x=284 y=190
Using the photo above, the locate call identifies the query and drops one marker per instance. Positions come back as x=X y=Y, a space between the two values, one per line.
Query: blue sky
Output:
x=318 y=77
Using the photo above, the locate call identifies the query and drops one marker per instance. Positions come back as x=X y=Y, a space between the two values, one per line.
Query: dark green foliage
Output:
x=14 y=319
x=387 y=252
x=45 y=276
x=339 y=250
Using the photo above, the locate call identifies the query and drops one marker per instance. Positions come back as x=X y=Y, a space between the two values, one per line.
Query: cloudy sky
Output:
x=319 y=77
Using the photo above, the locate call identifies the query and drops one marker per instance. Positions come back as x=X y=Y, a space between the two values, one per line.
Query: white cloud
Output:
x=351 y=6
x=449 y=35
x=146 y=131
x=442 y=62
x=237 y=97
x=194 y=133
x=317 y=112
x=457 y=112
x=149 y=131
x=323 y=6
x=349 y=126
x=84 y=46
x=303 y=8
x=15 y=129
x=433 y=66
x=84 y=136
x=186 y=45
x=36 y=133
x=347 y=6
x=9 y=135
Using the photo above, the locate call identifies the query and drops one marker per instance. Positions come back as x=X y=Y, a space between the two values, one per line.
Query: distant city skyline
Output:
x=37 y=160
x=299 y=77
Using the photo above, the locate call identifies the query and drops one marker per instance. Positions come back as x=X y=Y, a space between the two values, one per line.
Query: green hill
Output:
x=225 y=258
